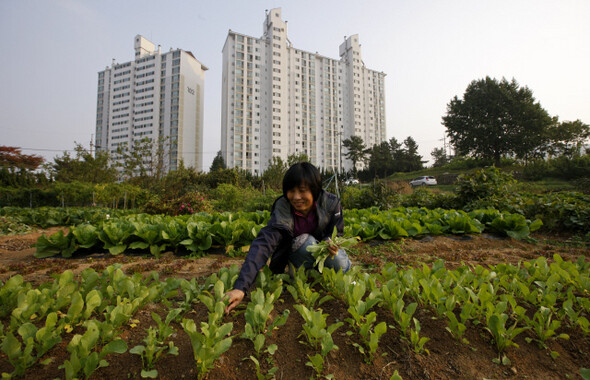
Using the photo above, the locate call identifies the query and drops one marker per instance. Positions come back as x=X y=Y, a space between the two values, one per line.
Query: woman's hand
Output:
x=234 y=298
x=333 y=248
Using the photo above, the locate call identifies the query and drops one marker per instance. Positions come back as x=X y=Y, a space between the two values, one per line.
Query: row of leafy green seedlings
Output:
x=482 y=295
x=84 y=300
x=351 y=289
x=66 y=304
x=259 y=324
x=497 y=298
x=215 y=337
x=198 y=233
x=156 y=233
x=90 y=296
x=46 y=217
x=413 y=221
x=101 y=305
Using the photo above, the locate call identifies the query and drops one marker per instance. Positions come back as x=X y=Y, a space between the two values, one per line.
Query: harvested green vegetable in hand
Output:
x=320 y=251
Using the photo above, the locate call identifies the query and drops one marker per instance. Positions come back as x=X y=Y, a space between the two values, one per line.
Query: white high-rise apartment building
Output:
x=158 y=96
x=278 y=100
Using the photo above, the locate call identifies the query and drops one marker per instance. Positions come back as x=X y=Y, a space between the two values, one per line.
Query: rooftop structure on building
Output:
x=154 y=100
x=279 y=101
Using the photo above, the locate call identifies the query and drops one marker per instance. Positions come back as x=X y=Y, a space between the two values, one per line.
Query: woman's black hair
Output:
x=303 y=173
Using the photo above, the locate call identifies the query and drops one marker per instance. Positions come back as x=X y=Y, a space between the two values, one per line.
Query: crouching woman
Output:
x=303 y=215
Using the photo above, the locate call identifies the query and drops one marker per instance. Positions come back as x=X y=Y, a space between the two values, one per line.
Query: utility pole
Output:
x=339 y=151
x=446 y=147
x=91 y=143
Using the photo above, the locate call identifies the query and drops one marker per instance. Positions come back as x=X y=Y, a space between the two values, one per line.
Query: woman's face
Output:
x=301 y=198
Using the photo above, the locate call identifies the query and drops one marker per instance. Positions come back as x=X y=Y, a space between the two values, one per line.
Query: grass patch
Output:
x=546 y=185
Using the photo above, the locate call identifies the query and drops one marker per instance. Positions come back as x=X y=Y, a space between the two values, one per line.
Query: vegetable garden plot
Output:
x=198 y=233
x=106 y=315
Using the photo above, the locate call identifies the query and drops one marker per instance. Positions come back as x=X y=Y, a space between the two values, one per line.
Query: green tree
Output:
x=495 y=119
x=567 y=138
x=440 y=157
x=178 y=182
x=411 y=160
x=381 y=160
x=145 y=161
x=217 y=177
x=274 y=173
x=392 y=156
x=74 y=193
x=397 y=155
x=83 y=167
x=135 y=161
x=295 y=158
x=356 y=151
x=117 y=195
x=218 y=163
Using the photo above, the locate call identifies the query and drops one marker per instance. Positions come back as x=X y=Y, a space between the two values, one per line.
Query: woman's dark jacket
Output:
x=276 y=237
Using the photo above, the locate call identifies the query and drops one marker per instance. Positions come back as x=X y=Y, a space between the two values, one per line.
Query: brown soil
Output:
x=447 y=358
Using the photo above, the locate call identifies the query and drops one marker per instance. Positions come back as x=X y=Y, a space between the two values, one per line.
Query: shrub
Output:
x=236 y=177
x=536 y=170
x=353 y=197
x=482 y=184
x=227 y=197
x=378 y=194
x=193 y=202
x=583 y=184
x=429 y=199
x=28 y=197
x=569 y=168
x=260 y=201
x=462 y=163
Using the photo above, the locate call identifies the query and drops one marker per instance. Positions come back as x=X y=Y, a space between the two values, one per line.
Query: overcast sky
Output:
x=430 y=50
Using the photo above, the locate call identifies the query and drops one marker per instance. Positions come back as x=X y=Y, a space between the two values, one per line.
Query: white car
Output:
x=423 y=181
x=351 y=181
